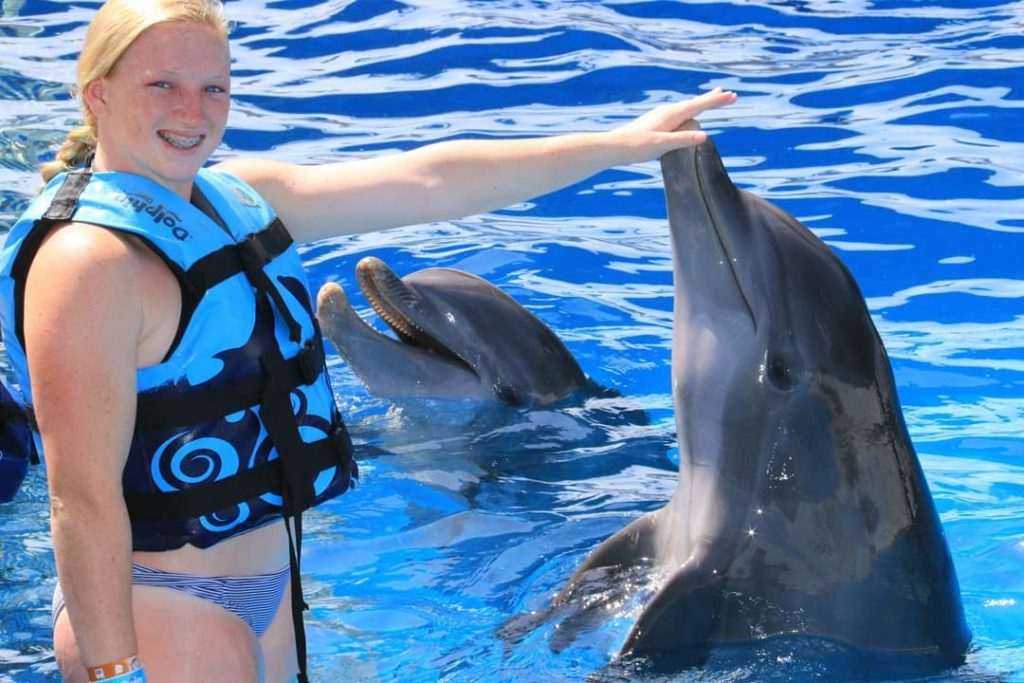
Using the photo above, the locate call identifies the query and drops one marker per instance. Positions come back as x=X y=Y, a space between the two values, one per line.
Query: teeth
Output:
x=179 y=141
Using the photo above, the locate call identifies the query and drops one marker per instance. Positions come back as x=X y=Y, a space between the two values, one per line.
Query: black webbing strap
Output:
x=65 y=201
x=163 y=412
x=219 y=495
x=297 y=491
x=219 y=265
x=299 y=604
x=253 y=260
x=248 y=256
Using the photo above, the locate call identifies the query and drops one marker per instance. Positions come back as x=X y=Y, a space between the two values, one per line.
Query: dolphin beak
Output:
x=703 y=207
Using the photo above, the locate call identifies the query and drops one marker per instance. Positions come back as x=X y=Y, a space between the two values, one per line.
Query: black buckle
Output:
x=15 y=413
x=343 y=449
x=311 y=360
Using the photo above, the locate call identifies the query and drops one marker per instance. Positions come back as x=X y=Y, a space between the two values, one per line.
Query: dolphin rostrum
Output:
x=458 y=337
x=801 y=507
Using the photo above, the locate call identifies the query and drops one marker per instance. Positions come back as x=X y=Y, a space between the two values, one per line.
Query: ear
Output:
x=94 y=95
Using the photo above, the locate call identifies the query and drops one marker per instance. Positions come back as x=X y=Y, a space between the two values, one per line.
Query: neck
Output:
x=102 y=162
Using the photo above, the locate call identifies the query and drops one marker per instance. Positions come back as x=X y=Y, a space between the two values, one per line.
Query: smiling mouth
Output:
x=181 y=141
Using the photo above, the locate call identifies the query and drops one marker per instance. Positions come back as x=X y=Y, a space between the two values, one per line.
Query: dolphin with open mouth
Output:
x=457 y=336
x=801 y=507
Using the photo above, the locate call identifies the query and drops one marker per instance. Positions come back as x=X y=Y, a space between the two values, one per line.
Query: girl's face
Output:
x=162 y=110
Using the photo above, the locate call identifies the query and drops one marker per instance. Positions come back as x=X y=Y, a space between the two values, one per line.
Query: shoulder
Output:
x=85 y=284
x=89 y=256
x=82 y=243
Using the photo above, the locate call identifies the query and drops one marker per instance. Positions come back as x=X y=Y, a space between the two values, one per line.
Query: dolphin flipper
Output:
x=628 y=551
x=631 y=546
x=680 y=618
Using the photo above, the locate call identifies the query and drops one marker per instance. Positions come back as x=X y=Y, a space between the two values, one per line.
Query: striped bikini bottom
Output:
x=254 y=599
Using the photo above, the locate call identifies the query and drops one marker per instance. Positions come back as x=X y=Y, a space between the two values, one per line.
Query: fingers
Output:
x=672 y=126
x=709 y=100
x=671 y=117
x=718 y=95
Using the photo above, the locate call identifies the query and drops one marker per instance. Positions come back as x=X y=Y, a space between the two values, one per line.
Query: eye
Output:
x=162 y=85
x=507 y=393
x=216 y=90
x=779 y=373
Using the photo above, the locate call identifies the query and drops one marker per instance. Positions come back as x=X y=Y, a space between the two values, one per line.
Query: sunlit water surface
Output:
x=890 y=128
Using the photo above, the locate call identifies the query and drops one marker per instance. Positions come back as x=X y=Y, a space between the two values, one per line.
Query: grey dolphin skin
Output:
x=801 y=506
x=458 y=337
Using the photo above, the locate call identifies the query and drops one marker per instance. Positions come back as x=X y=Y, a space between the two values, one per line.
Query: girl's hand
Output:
x=659 y=130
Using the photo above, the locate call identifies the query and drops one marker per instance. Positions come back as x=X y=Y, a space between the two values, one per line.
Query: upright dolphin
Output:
x=458 y=336
x=801 y=507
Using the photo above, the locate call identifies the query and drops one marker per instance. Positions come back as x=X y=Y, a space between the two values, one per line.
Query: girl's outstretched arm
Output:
x=458 y=178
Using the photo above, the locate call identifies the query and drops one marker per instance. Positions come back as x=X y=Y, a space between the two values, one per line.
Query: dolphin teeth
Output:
x=389 y=296
x=409 y=332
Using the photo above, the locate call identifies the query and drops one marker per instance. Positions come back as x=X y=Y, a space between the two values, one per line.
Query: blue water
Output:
x=892 y=128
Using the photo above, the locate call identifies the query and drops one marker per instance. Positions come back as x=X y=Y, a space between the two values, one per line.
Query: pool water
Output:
x=892 y=128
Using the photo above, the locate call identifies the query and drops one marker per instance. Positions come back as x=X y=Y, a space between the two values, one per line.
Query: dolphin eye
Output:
x=778 y=372
x=507 y=394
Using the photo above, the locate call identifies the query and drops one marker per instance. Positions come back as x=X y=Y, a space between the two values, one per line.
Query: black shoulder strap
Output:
x=65 y=202
x=201 y=202
x=62 y=209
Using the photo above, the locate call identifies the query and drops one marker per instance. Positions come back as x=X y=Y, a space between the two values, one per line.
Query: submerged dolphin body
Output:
x=458 y=337
x=801 y=507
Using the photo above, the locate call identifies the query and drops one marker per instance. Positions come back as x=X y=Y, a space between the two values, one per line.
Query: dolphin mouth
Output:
x=395 y=302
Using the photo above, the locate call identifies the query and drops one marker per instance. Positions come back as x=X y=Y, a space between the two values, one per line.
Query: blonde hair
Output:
x=114 y=28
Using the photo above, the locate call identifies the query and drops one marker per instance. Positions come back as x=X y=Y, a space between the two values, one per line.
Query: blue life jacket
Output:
x=237 y=426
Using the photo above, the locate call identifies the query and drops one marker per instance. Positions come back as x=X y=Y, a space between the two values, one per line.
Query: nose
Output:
x=189 y=108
